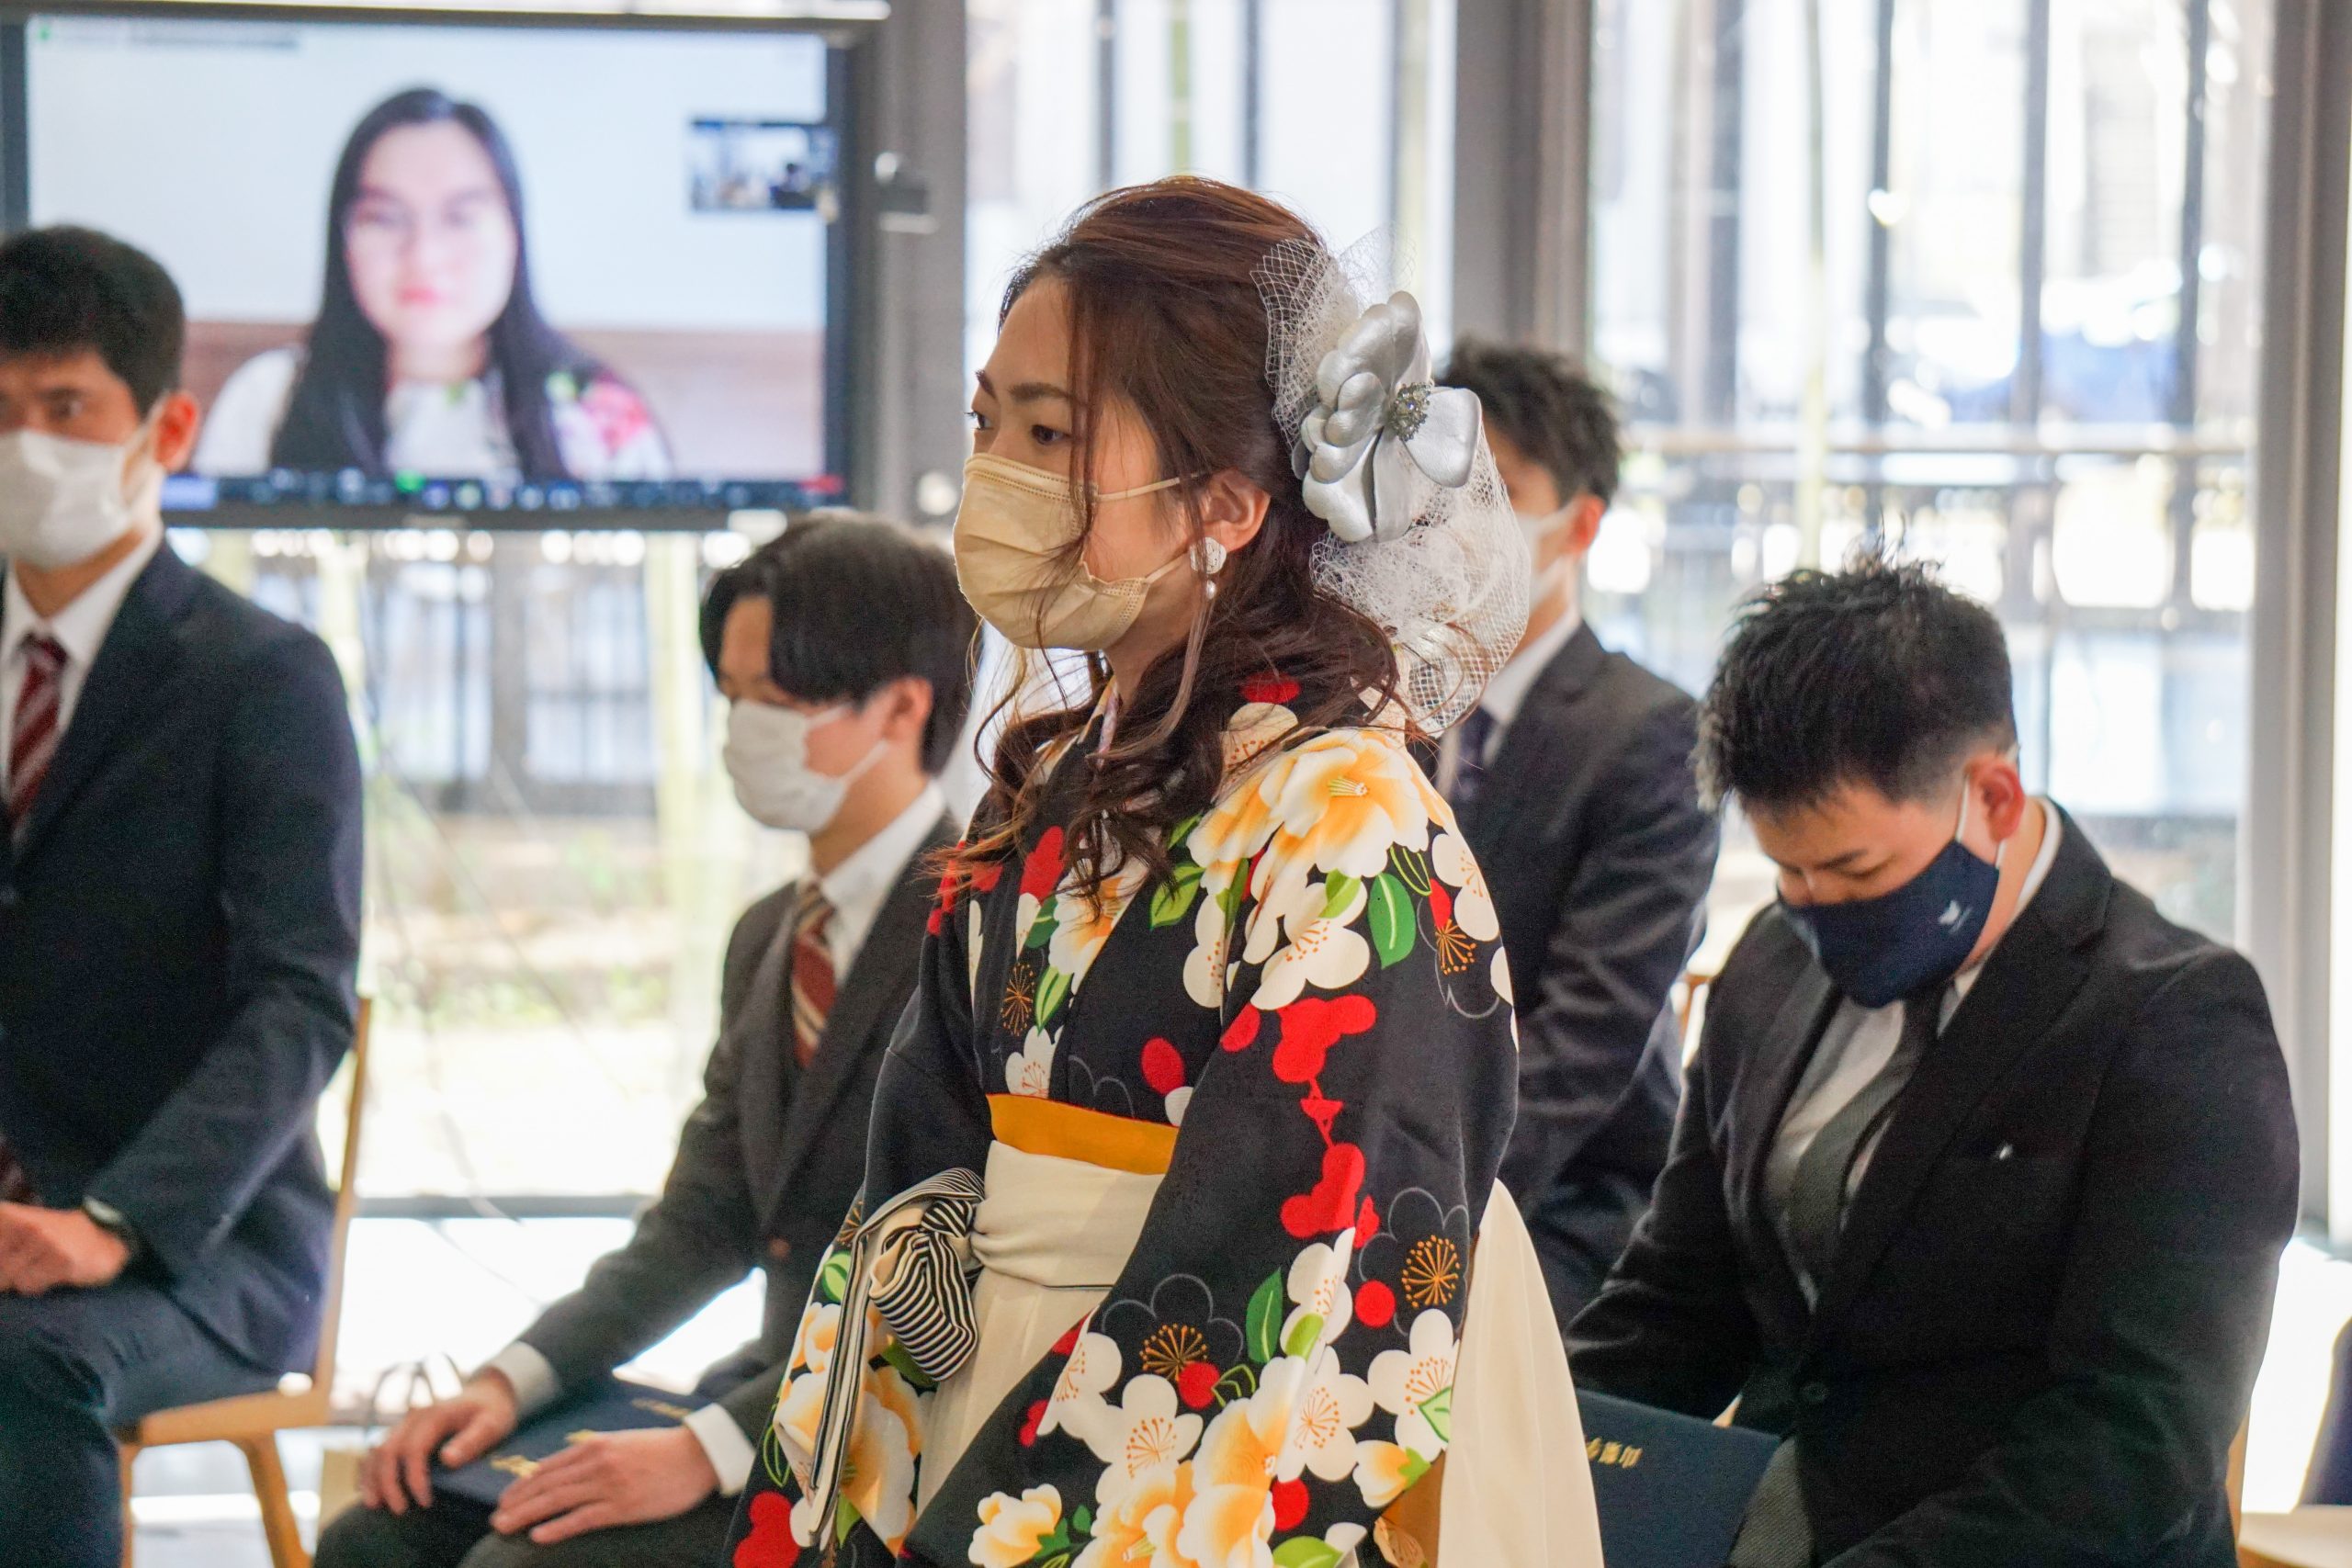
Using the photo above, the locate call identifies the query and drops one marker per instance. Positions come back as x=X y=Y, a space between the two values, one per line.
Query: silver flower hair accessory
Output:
x=1421 y=538
x=1375 y=411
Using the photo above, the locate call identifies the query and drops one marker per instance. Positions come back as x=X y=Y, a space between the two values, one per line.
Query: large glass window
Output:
x=1342 y=108
x=1977 y=281
x=554 y=857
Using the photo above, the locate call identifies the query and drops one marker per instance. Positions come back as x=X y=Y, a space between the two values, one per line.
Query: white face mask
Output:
x=768 y=757
x=1540 y=529
x=62 y=501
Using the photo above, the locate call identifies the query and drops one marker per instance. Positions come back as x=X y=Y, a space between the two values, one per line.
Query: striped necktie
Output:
x=32 y=746
x=813 y=981
x=33 y=735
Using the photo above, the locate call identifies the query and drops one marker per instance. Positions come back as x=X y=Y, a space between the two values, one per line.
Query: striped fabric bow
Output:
x=910 y=1262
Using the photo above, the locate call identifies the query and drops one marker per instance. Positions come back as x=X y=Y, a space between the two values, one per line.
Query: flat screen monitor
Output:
x=524 y=273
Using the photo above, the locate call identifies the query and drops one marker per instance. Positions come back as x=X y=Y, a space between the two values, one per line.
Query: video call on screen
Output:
x=466 y=268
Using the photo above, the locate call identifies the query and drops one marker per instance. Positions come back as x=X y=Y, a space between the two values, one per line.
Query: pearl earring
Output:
x=1208 y=558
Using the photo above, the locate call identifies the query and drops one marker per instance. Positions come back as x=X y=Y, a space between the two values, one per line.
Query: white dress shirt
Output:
x=80 y=629
x=860 y=885
x=858 y=889
x=1859 y=1043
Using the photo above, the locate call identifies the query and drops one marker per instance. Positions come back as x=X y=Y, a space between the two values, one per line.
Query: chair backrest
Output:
x=2235 y=1482
x=346 y=1198
x=1696 y=984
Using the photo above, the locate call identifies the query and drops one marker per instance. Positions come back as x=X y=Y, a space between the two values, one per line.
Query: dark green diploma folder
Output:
x=1671 y=1490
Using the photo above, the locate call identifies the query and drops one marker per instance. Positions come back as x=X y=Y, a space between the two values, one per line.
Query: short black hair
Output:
x=859 y=603
x=65 y=290
x=1876 y=675
x=1551 y=410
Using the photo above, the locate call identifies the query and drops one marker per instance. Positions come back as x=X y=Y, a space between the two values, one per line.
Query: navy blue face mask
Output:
x=1878 y=951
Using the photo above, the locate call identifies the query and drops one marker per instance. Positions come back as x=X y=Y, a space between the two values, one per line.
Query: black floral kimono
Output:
x=1312 y=1015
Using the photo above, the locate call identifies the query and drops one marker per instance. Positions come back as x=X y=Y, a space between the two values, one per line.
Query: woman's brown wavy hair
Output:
x=1166 y=318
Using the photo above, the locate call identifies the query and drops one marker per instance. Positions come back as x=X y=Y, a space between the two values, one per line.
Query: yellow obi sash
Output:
x=1048 y=1127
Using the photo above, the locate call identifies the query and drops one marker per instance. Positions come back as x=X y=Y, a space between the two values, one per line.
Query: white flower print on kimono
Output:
x=1144 y=1432
x=1416 y=1386
x=1324 y=949
x=1322 y=1305
x=1031 y=1071
x=1330 y=1406
x=1474 y=907
x=1211 y=963
x=1077 y=1405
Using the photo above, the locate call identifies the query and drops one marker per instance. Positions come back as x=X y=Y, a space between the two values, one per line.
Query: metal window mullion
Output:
x=2286 y=837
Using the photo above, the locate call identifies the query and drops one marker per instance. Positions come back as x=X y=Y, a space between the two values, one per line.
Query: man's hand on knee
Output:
x=46 y=1249
x=397 y=1474
x=609 y=1479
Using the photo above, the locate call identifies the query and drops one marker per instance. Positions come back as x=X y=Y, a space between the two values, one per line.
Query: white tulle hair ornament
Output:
x=1423 y=538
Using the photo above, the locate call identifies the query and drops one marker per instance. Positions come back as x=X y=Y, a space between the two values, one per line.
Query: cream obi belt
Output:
x=980 y=1277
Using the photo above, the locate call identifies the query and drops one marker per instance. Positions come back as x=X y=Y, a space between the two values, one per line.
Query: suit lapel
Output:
x=2026 y=985
x=132 y=666
x=763 y=1025
x=872 y=995
x=1513 y=770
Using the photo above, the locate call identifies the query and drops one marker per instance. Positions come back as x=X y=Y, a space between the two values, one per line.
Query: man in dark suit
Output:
x=179 y=915
x=843 y=650
x=1572 y=781
x=1984 y=1168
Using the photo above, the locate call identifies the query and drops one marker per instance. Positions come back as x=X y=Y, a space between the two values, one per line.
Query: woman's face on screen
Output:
x=431 y=247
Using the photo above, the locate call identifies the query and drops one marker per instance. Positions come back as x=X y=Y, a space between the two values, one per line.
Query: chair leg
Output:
x=130 y=1526
x=276 y=1508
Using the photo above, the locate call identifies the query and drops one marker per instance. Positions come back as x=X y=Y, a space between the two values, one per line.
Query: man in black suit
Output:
x=1984 y=1167
x=179 y=915
x=843 y=650
x=1572 y=781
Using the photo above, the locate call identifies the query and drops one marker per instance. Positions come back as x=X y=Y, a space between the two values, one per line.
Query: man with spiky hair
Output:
x=1984 y=1167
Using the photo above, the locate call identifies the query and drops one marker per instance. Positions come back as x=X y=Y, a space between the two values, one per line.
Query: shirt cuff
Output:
x=723 y=1443
x=532 y=1374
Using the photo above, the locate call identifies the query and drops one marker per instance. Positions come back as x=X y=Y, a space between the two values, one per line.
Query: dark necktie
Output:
x=33 y=733
x=1776 y=1533
x=813 y=981
x=1471 y=738
x=1817 y=1195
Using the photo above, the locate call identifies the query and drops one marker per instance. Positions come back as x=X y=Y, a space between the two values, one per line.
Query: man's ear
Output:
x=176 y=422
x=1583 y=527
x=2001 y=793
x=908 y=710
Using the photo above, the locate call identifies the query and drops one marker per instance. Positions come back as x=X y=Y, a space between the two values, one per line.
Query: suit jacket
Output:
x=2043 y=1321
x=1598 y=854
x=769 y=1162
x=179 y=930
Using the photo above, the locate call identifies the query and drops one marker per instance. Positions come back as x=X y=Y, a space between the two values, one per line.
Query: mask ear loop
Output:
x=859 y=769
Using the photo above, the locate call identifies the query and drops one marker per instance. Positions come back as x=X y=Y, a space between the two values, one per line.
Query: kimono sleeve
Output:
x=1275 y=1367
x=929 y=1117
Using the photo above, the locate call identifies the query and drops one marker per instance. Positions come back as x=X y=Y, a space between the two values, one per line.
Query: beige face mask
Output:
x=1013 y=534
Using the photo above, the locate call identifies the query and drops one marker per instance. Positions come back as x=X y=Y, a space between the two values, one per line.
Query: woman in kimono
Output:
x=1183 y=1151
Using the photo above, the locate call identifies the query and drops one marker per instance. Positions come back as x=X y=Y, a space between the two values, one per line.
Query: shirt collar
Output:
x=1507 y=689
x=858 y=886
x=81 y=627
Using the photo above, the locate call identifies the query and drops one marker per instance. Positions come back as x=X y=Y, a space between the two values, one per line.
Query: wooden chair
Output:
x=1696 y=984
x=253 y=1421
